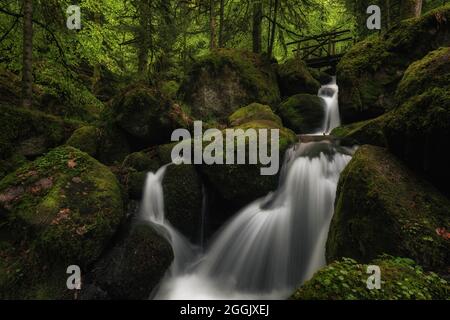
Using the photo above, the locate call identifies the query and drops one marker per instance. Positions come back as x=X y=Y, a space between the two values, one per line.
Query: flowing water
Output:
x=269 y=247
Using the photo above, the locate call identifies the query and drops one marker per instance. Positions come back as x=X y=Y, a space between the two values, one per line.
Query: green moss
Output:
x=294 y=78
x=431 y=71
x=66 y=207
x=104 y=143
x=322 y=77
x=418 y=132
x=401 y=279
x=143 y=113
x=20 y=125
x=303 y=113
x=382 y=207
x=170 y=89
x=254 y=111
x=85 y=139
x=364 y=132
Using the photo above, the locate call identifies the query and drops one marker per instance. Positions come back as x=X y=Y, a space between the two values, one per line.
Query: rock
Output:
x=23 y=132
x=183 y=200
x=294 y=77
x=401 y=279
x=254 y=111
x=239 y=184
x=322 y=77
x=431 y=71
x=60 y=210
x=106 y=144
x=303 y=113
x=363 y=132
x=418 y=132
x=222 y=81
x=143 y=113
x=369 y=73
x=382 y=207
x=132 y=268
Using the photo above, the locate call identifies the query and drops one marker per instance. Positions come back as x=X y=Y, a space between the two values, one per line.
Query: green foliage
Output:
x=401 y=279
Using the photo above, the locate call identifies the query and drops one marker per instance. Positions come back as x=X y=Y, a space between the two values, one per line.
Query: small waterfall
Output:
x=329 y=93
x=271 y=246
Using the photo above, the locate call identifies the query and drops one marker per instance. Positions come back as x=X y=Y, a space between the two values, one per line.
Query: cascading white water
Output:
x=329 y=93
x=268 y=248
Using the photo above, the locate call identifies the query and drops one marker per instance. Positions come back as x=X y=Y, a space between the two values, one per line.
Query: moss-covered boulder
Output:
x=294 y=77
x=60 y=210
x=239 y=184
x=134 y=266
x=363 y=132
x=144 y=114
x=303 y=113
x=431 y=71
x=369 y=73
x=225 y=79
x=401 y=279
x=31 y=133
x=254 y=111
x=418 y=132
x=106 y=144
x=383 y=207
x=183 y=199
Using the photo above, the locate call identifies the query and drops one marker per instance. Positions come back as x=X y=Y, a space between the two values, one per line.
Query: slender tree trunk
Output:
x=144 y=37
x=222 y=24
x=269 y=28
x=257 y=26
x=27 y=67
x=274 y=27
x=212 y=25
x=411 y=9
x=388 y=14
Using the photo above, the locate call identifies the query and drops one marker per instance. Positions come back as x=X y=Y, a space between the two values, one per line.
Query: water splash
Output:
x=267 y=249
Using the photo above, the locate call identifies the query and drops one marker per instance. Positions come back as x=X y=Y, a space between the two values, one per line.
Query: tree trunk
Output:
x=27 y=67
x=144 y=37
x=212 y=25
x=274 y=27
x=411 y=9
x=222 y=24
x=257 y=26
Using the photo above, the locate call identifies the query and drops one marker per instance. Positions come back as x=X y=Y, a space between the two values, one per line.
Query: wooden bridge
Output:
x=324 y=50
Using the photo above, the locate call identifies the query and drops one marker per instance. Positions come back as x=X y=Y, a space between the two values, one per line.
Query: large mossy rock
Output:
x=254 y=111
x=225 y=79
x=431 y=71
x=369 y=73
x=183 y=199
x=106 y=144
x=144 y=114
x=418 y=133
x=363 y=132
x=303 y=113
x=133 y=267
x=294 y=77
x=60 y=210
x=401 y=279
x=382 y=207
x=239 y=184
x=31 y=133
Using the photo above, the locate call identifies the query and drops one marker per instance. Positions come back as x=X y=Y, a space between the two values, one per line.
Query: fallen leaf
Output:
x=76 y=179
x=442 y=232
x=71 y=163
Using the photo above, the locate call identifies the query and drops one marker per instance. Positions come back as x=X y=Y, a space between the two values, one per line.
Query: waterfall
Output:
x=329 y=93
x=271 y=246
